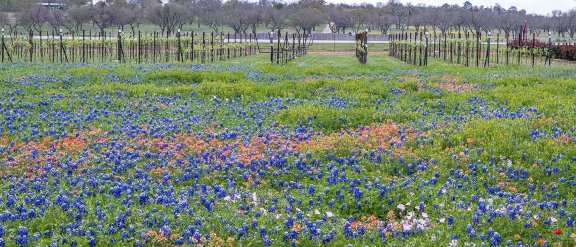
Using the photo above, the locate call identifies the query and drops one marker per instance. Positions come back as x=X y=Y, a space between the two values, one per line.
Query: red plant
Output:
x=557 y=231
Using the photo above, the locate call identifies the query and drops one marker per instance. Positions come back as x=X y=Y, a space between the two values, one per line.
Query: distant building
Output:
x=97 y=1
x=61 y=6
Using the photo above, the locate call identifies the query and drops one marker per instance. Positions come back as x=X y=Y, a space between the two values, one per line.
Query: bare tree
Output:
x=237 y=14
x=33 y=17
x=210 y=13
x=508 y=21
x=78 y=16
x=358 y=18
x=305 y=19
x=383 y=19
x=571 y=20
x=168 y=16
x=277 y=17
x=339 y=19
x=102 y=15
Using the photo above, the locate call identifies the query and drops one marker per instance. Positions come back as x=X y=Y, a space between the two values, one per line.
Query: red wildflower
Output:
x=557 y=231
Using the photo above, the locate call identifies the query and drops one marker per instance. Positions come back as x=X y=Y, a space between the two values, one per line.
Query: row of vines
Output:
x=124 y=48
x=471 y=49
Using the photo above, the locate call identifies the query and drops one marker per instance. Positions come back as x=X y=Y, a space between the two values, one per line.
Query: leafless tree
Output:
x=33 y=17
x=210 y=13
x=102 y=15
x=277 y=17
x=78 y=16
x=168 y=16
x=304 y=19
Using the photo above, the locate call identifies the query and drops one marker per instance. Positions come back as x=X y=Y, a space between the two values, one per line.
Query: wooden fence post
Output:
x=487 y=59
x=533 y=47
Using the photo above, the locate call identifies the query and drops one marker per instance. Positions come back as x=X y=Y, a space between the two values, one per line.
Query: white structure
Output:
x=97 y=1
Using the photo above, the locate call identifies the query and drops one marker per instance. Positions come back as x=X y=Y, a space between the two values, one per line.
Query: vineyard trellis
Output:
x=470 y=49
x=137 y=47
x=287 y=48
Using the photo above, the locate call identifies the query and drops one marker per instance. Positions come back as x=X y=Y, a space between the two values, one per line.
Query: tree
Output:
x=358 y=18
x=78 y=16
x=168 y=16
x=508 y=21
x=276 y=16
x=340 y=19
x=33 y=17
x=240 y=15
x=383 y=19
x=210 y=13
x=102 y=15
x=305 y=19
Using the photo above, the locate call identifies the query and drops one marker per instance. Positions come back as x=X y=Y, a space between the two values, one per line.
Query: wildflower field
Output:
x=322 y=151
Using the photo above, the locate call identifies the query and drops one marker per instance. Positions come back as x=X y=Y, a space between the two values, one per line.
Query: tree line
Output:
x=302 y=16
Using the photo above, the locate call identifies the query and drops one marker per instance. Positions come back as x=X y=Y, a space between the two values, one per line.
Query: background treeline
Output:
x=301 y=16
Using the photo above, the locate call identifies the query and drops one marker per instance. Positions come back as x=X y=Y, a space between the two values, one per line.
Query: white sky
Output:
x=531 y=6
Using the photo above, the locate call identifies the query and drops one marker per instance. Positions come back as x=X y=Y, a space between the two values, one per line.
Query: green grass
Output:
x=492 y=126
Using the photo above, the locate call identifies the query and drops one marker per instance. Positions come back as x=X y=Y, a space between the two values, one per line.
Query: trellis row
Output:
x=469 y=49
x=154 y=47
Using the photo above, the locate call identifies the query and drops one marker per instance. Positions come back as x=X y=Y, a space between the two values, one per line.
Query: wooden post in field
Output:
x=278 y=50
x=549 y=55
x=139 y=46
x=212 y=47
x=179 y=47
x=83 y=46
x=487 y=59
x=61 y=48
x=497 y=48
x=3 y=46
x=31 y=48
x=533 y=47
x=228 y=46
x=154 y=47
x=192 y=46
x=426 y=51
x=271 y=47
x=507 y=48
x=410 y=49
x=444 y=46
x=467 y=49
x=40 y=47
x=119 y=49
x=519 y=45
x=478 y=35
x=203 y=46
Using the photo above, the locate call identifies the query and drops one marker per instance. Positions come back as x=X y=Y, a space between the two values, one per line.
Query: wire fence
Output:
x=125 y=48
x=471 y=49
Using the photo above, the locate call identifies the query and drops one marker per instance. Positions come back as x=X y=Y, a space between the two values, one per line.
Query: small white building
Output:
x=53 y=5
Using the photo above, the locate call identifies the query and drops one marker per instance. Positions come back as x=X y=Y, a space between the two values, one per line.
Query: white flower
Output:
x=227 y=198
x=453 y=243
x=329 y=214
x=255 y=198
x=316 y=211
x=442 y=220
x=401 y=207
x=553 y=220
x=424 y=215
x=410 y=215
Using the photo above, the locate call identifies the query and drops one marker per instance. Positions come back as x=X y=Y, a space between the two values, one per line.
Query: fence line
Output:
x=470 y=49
x=122 y=47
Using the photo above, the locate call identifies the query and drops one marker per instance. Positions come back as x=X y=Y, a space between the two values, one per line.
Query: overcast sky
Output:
x=531 y=6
